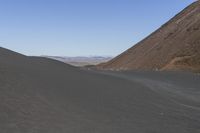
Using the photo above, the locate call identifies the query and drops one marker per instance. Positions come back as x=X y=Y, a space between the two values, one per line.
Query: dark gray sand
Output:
x=39 y=95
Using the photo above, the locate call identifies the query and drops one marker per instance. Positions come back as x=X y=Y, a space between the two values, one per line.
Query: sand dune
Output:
x=40 y=95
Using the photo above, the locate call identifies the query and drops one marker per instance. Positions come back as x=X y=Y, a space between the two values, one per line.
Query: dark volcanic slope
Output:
x=175 y=46
x=40 y=95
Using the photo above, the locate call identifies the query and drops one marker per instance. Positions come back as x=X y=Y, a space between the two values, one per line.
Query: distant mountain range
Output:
x=81 y=60
x=174 y=46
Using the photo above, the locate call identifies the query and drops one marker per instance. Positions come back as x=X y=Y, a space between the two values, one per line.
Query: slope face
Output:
x=8 y=56
x=40 y=95
x=175 y=46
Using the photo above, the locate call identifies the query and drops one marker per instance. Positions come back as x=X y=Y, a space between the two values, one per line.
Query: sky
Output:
x=81 y=27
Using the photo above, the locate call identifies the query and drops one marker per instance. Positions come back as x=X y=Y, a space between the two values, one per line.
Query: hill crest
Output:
x=174 y=46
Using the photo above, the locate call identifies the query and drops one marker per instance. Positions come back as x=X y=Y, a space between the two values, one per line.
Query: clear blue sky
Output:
x=81 y=27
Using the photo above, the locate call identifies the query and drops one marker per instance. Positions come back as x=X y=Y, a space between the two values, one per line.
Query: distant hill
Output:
x=81 y=60
x=174 y=46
